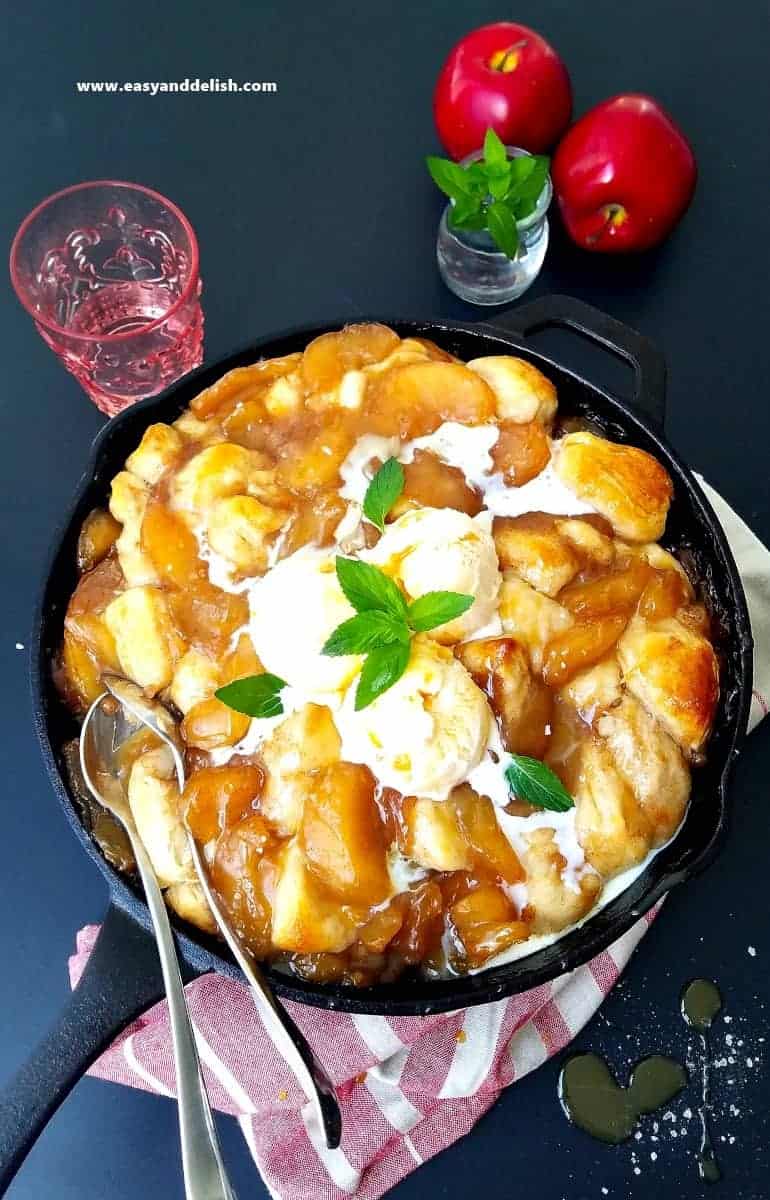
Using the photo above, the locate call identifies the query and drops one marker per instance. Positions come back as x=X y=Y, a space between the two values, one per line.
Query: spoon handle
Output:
x=285 y=1034
x=204 y=1173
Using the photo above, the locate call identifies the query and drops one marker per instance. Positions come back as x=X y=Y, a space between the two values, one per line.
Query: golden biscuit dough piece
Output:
x=522 y=392
x=189 y=903
x=156 y=453
x=129 y=498
x=610 y=823
x=217 y=471
x=530 y=617
x=536 y=551
x=153 y=795
x=196 y=678
x=651 y=762
x=674 y=672
x=241 y=528
x=304 y=742
x=626 y=485
x=193 y=429
x=553 y=902
x=146 y=641
x=594 y=691
x=588 y=542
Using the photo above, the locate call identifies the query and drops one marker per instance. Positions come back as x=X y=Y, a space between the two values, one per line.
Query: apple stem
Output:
x=614 y=216
x=506 y=61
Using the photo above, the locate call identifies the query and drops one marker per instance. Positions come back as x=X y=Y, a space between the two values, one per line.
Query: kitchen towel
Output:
x=408 y=1086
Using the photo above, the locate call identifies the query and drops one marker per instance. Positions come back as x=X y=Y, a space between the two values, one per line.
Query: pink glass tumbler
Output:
x=109 y=273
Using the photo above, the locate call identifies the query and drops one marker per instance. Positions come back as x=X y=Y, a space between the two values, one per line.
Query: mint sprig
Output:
x=382 y=493
x=384 y=624
x=436 y=608
x=531 y=780
x=254 y=695
x=368 y=588
x=492 y=193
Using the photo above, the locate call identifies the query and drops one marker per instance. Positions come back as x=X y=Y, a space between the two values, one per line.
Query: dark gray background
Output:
x=314 y=204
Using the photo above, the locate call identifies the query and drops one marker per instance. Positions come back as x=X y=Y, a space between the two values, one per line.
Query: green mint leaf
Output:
x=448 y=176
x=380 y=671
x=255 y=695
x=478 y=178
x=495 y=153
x=521 y=169
x=365 y=632
x=525 y=197
x=467 y=214
x=532 y=781
x=383 y=492
x=436 y=608
x=499 y=183
x=501 y=224
x=368 y=588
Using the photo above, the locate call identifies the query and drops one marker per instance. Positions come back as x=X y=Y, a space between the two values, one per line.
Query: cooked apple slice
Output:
x=521 y=452
x=431 y=483
x=485 y=921
x=307 y=919
x=342 y=835
x=520 y=700
x=414 y=400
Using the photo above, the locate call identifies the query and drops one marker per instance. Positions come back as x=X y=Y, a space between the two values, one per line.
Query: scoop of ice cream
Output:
x=294 y=608
x=441 y=549
x=426 y=732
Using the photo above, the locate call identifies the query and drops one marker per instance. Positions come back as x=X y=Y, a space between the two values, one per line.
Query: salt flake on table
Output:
x=19 y=645
x=752 y=951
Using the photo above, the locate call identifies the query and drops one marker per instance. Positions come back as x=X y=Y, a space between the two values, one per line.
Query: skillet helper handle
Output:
x=565 y=312
x=121 y=980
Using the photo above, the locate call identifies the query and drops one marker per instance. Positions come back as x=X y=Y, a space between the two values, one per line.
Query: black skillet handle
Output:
x=121 y=980
x=566 y=312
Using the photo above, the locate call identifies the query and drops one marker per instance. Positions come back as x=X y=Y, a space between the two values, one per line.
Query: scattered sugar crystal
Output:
x=734 y=1110
x=749 y=1062
x=654 y=1155
x=727 y=1020
x=605 y=1191
x=674 y=1133
x=637 y=1171
x=638 y=1135
x=668 y=1116
x=655 y=1127
x=731 y=1140
x=729 y=1039
x=687 y=1113
x=752 y=951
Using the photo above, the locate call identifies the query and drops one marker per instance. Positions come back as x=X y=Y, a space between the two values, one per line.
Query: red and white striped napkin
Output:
x=408 y=1086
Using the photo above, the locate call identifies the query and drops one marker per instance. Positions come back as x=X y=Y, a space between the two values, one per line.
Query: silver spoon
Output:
x=104 y=730
x=292 y=1044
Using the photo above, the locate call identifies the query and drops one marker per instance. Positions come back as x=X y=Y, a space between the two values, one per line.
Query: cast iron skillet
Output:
x=122 y=978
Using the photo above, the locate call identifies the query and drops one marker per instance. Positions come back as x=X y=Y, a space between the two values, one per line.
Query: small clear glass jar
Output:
x=471 y=264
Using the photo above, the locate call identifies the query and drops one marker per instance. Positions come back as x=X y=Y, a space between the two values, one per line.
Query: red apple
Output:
x=624 y=175
x=506 y=77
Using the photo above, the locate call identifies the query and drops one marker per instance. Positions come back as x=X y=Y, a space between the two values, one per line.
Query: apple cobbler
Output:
x=437 y=679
